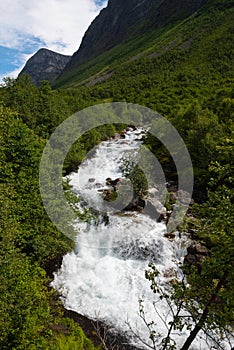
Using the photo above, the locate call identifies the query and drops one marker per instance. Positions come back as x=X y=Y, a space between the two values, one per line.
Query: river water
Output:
x=104 y=277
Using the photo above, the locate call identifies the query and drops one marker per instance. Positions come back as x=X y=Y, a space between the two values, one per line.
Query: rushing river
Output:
x=104 y=277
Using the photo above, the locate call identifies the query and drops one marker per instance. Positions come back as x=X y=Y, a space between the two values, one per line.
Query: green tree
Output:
x=208 y=298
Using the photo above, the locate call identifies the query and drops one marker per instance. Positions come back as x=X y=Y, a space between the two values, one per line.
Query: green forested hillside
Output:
x=184 y=72
x=202 y=40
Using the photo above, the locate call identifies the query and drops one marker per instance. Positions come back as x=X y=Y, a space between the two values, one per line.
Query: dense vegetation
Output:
x=186 y=74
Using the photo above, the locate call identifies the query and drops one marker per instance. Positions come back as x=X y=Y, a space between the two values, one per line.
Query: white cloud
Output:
x=11 y=74
x=57 y=24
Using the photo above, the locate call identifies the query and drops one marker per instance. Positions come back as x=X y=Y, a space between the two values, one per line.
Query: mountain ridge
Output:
x=45 y=65
x=185 y=37
x=120 y=21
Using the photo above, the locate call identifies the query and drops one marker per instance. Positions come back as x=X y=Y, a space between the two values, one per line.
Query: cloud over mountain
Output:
x=56 y=24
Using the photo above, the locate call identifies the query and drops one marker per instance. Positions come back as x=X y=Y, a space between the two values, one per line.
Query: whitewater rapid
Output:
x=104 y=277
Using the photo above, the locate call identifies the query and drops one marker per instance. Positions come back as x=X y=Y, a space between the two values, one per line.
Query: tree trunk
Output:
x=205 y=313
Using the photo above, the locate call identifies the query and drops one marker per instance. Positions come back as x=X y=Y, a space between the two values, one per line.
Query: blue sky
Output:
x=26 y=26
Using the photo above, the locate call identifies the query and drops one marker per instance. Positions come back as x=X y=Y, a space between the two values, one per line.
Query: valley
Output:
x=155 y=287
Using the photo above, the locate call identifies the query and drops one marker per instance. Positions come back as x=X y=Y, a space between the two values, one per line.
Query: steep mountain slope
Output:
x=45 y=65
x=122 y=20
x=195 y=43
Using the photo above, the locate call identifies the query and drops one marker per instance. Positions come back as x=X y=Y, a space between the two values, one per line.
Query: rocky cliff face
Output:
x=45 y=65
x=122 y=19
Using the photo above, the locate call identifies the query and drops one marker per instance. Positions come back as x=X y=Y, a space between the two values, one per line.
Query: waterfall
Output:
x=104 y=277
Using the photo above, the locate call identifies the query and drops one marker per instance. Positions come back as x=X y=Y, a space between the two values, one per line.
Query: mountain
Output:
x=196 y=34
x=121 y=20
x=45 y=65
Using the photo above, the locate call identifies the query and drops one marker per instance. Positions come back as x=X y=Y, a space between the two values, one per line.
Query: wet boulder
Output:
x=113 y=183
x=196 y=255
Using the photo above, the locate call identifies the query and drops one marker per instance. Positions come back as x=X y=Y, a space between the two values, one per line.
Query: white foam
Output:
x=105 y=275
